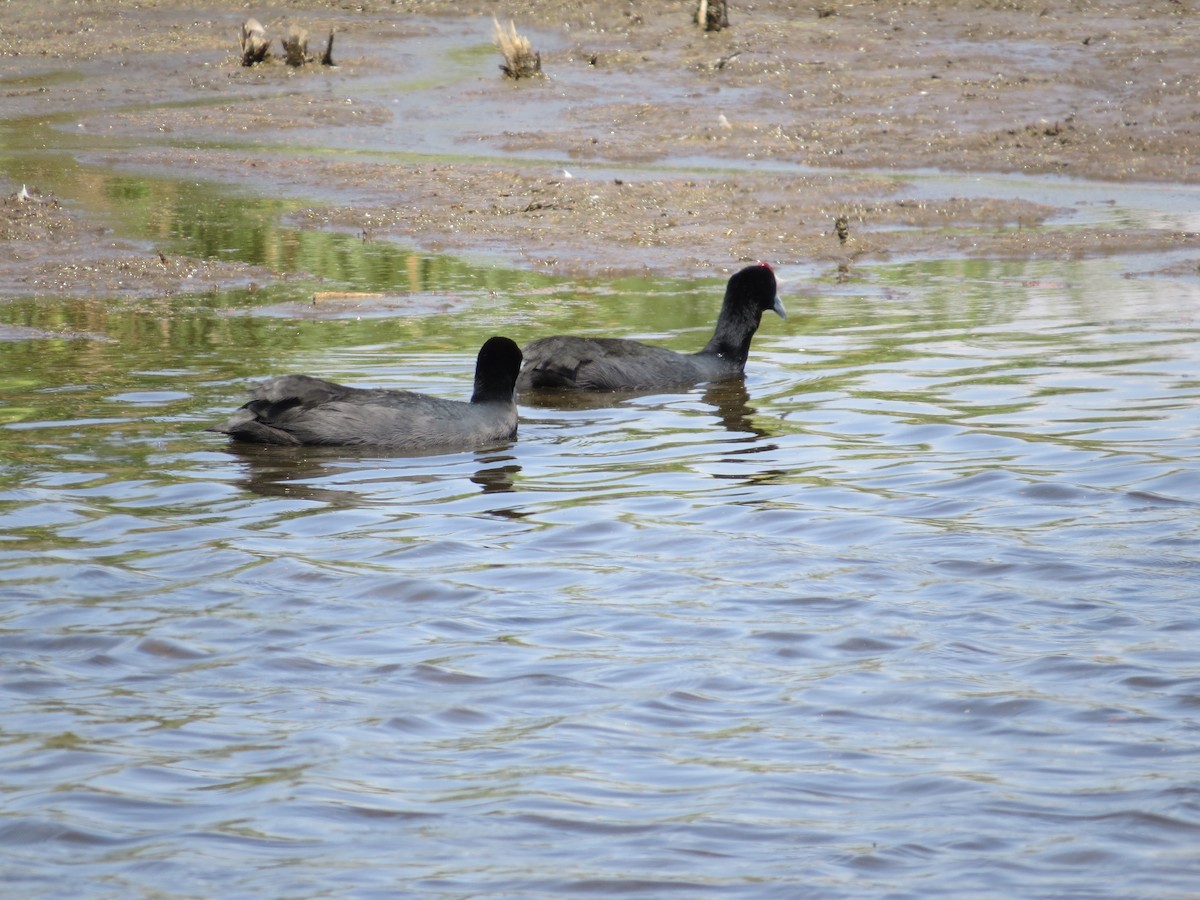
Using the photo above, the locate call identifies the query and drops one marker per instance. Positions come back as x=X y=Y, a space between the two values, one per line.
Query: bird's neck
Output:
x=732 y=336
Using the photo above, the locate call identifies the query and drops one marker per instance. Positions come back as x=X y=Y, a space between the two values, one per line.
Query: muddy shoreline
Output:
x=825 y=101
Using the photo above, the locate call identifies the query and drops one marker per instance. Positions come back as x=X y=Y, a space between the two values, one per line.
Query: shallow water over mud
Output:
x=912 y=611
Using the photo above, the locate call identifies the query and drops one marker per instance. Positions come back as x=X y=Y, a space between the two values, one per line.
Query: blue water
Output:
x=913 y=611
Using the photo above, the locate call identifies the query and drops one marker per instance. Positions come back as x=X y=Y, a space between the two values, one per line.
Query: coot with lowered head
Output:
x=300 y=409
x=568 y=363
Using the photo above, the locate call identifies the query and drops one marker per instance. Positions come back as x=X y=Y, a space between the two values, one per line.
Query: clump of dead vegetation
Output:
x=295 y=46
x=29 y=215
x=520 y=59
x=256 y=46
x=712 y=15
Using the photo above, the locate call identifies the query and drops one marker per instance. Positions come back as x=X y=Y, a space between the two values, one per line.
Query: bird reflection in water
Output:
x=497 y=478
x=732 y=403
x=291 y=472
x=729 y=398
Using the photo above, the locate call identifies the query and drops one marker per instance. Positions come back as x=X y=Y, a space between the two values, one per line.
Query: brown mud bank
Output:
x=648 y=145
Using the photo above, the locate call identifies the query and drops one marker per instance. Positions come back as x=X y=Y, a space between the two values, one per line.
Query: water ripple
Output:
x=912 y=609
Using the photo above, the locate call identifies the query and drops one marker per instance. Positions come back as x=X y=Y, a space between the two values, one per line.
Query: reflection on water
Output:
x=299 y=472
x=910 y=608
x=498 y=475
x=210 y=221
x=729 y=399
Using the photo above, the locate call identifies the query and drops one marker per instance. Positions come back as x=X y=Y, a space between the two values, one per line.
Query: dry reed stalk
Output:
x=520 y=60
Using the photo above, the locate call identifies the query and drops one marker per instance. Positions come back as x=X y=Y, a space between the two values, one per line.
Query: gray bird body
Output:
x=566 y=362
x=303 y=410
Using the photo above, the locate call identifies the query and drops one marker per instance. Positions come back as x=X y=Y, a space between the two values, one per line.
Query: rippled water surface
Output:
x=914 y=611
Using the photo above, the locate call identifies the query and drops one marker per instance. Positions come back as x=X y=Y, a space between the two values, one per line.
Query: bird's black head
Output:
x=755 y=287
x=496 y=370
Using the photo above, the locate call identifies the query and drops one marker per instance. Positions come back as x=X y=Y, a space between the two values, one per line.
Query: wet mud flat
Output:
x=52 y=250
x=649 y=145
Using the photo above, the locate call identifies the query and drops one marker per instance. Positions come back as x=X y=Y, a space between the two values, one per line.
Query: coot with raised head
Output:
x=564 y=362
